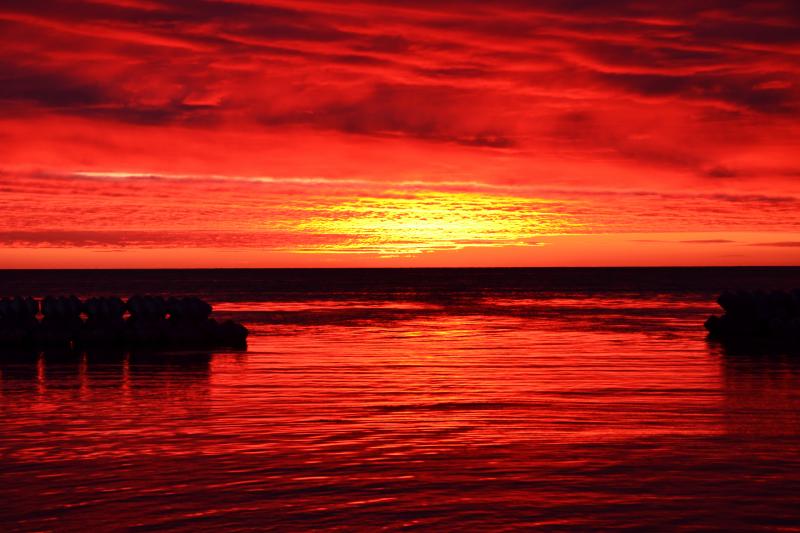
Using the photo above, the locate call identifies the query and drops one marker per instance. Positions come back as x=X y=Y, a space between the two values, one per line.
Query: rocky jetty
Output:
x=18 y=322
x=142 y=321
x=758 y=317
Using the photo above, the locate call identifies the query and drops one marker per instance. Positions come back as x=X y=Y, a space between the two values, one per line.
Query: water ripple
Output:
x=555 y=414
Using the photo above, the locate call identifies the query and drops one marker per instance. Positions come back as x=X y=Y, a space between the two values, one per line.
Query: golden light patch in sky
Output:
x=125 y=219
x=401 y=224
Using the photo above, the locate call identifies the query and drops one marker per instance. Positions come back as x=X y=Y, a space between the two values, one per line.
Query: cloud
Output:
x=313 y=213
x=691 y=241
x=708 y=241
x=721 y=172
x=624 y=116
x=418 y=111
x=372 y=67
x=151 y=211
x=780 y=244
x=50 y=89
x=196 y=238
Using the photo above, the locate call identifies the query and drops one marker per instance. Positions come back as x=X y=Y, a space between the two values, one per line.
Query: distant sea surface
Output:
x=452 y=399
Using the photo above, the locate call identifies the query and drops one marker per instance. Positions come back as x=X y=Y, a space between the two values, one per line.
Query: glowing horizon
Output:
x=277 y=133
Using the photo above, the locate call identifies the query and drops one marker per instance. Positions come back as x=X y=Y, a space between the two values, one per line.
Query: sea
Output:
x=554 y=399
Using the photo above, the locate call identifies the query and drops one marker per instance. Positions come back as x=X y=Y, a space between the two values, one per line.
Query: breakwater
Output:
x=151 y=321
x=757 y=317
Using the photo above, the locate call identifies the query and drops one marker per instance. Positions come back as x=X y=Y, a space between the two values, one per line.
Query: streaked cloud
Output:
x=779 y=244
x=363 y=126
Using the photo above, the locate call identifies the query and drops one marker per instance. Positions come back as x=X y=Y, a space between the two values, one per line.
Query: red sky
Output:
x=291 y=133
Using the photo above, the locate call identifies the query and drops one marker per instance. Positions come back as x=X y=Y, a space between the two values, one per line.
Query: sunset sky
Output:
x=167 y=133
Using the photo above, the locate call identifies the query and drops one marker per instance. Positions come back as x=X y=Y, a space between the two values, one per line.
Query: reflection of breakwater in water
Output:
x=102 y=371
x=27 y=368
x=762 y=390
x=151 y=321
x=85 y=418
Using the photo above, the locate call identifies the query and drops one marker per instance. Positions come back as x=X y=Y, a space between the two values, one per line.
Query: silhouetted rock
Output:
x=18 y=323
x=147 y=306
x=104 y=323
x=153 y=322
x=232 y=334
x=757 y=317
x=61 y=323
x=188 y=308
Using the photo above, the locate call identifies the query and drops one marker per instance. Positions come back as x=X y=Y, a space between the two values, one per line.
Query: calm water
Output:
x=440 y=399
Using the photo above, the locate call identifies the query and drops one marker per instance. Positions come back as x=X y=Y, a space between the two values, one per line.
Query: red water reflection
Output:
x=434 y=416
